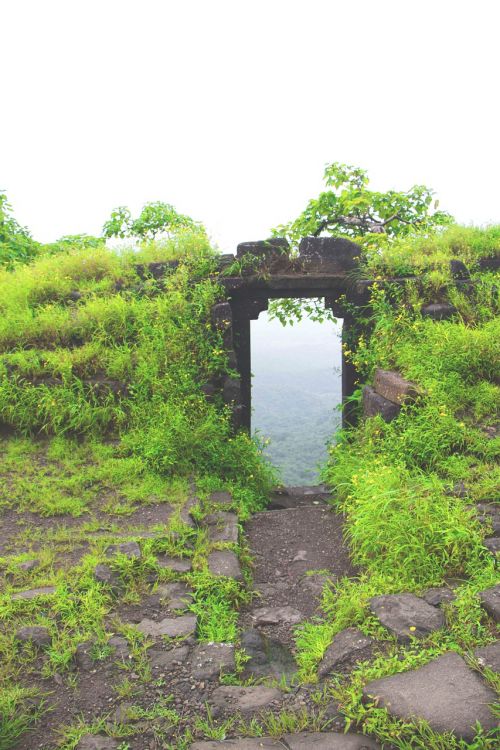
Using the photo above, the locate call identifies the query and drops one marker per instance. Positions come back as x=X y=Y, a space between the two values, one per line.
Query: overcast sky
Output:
x=230 y=109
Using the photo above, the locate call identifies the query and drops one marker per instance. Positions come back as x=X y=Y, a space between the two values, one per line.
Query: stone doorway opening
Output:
x=296 y=393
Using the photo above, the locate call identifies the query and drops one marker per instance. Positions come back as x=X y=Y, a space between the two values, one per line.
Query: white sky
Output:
x=230 y=109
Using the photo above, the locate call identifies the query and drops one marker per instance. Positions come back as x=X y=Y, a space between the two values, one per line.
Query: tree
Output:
x=16 y=243
x=155 y=218
x=348 y=208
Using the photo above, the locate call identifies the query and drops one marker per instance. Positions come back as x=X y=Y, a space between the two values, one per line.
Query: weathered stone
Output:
x=33 y=593
x=83 y=658
x=176 y=564
x=276 y=615
x=173 y=627
x=221 y=498
x=250 y=743
x=489 y=513
x=96 y=742
x=244 y=699
x=392 y=386
x=459 y=270
x=439 y=595
x=231 y=390
x=129 y=549
x=104 y=574
x=490 y=600
x=265 y=249
x=344 y=647
x=438 y=311
x=186 y=513
x=165 y=660
x=489 y=656
x=406 y=615
x=267 y=657
x=222 y=320
x=225 y=563
x=177 y=595
x=328 y=254
x=120 y=647
x=222 y=526
x=208 y=660
x=445 y=693
x=328 y=741
x=35 y=634
x=493 y=544
x=374 y=404
x=28 y=565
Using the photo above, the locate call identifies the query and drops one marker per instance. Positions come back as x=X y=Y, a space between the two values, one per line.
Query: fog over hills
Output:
x=296 y=388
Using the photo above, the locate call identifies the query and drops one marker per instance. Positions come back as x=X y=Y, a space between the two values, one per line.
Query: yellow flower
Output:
x=412 y=628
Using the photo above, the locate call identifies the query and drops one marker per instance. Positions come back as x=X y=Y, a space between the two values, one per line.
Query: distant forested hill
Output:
x=295 y=391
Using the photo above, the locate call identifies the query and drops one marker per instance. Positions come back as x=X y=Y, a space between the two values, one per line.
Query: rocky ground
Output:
x=180 y=692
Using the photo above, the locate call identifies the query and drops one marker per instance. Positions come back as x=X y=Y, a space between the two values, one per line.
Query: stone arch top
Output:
x=325 y=267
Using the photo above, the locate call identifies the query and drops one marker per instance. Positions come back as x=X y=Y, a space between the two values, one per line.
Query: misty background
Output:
x=296 y=391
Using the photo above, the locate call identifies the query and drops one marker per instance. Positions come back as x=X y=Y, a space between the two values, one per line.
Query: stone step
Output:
x=296 y=497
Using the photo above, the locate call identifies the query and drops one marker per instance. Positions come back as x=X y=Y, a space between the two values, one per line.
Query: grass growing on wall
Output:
x=408 y=487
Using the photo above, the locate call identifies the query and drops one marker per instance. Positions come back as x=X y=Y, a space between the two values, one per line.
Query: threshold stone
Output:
x=406 y=615
x=445 y=693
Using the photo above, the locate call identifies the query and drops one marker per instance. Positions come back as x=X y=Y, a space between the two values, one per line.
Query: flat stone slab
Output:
x=302 y=741
x=174 y=627
x=276 y=615
x=251 y=743
x=374 y=404
x=222 y=526
x=445 y=693
x=244 y=699
x=36 y=634
x=267 y=657
x=221 y=498
x=165 y=660
x=225 y=563
x=96 y=742
x=104 y=574
x=489 y=656
x=120 y=647
x=176 y=564
x=439 y=595
x=490 y=600
x=177 y=595
x=33 y=593
x=493 y=544
x=329 y=741
x=344 y=647
x=392 y=386
x=28 y=565
x=406 y=615
x=129 y=549
x=208 y=660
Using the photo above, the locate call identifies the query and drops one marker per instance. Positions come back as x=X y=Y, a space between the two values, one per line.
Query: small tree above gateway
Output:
x=350 y=209
x=155 y=218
